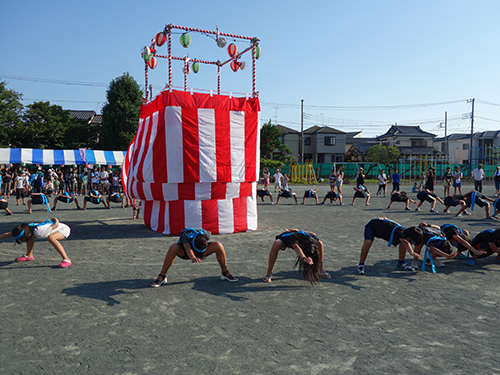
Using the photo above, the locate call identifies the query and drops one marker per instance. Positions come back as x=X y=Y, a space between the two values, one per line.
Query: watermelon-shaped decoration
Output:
x=152 y=63
x=258 y=52
x=185 y=40
x=146 y=54
x=196 y=67
x=160 y=39
x=232 y=50
x=235 y=65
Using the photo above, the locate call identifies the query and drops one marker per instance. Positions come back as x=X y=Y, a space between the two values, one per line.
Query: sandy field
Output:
x=100 y=316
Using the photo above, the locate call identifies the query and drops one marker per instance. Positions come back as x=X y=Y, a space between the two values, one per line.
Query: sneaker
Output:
x=437 y=263
x=24 y=258
x=467 y=213
x=53 y=209
x=459 y=215
x=407 y=209
x=157 y=283
x=433 y=211
x=341 y=204
x=361 y=270
x=446 y=212
x=417 y=209
x=388 y=207
x=414 y=264
x=228 y=277
x=404 y=266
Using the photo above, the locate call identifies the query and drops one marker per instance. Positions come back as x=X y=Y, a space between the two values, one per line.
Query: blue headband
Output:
x=19 y=235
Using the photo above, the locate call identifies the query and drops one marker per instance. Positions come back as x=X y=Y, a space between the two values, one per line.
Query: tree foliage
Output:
x=386 y=155
x=11 y=110
x=271 y=146
x=120 y=113
x=43 y=126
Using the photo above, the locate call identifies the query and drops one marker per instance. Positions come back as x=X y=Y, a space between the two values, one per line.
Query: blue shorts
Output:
x=369 y=233
x=457 y=184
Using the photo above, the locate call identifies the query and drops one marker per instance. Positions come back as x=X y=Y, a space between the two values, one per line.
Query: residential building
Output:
x=410 y=140
x=323 y=144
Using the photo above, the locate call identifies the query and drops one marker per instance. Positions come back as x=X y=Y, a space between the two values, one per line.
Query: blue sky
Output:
x=358 y=65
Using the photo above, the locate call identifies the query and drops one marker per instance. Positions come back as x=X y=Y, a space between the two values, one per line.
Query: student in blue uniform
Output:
x=487 y=241
x=38 y=198
x=401 y=197
x=65 y=198
x=286 y=193
x=457 y=237
x=265 y=193
x=437 y=243
x=194 y=244
x=94 y=197
x=311 y=193
x=473 y=198
x=361 y=192
x=454 y=200
x=114 y=197
x=396 y=235
x=333 y=196
x=309 y=250
x=429 y=196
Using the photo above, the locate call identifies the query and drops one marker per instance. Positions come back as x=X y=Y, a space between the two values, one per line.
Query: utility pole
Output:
x=301 y=131
x=446 y=135
x=471 y=134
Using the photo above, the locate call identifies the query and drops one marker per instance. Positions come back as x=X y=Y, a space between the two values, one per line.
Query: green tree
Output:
x=11 y=110
x=120 y=115
x=43 y=126
x=271 y=146
x=386 y=155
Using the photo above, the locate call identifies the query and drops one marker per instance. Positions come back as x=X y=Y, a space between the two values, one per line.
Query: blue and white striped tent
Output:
x=60 y=157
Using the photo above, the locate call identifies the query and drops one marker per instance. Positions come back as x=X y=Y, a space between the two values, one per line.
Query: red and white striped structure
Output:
x=194 y=162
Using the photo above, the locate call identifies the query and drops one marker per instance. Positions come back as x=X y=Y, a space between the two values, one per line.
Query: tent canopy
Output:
x=60 y=157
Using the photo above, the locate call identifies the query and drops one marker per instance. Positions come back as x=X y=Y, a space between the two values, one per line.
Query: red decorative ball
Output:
x=160 y=39
x=235 y=65
x=232 y=50
x=152 y=63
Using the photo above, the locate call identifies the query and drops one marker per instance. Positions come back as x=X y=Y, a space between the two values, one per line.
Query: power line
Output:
x=373 y=107
x=55 y=81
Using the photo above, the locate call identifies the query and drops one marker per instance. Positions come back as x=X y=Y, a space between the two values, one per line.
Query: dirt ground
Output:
x=100 y=316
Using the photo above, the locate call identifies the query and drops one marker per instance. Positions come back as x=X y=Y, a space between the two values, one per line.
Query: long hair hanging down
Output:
x=28 y=232
x=311 y=273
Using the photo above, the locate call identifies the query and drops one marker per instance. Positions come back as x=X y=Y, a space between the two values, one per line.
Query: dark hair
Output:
x=311 y=273
x=416 y=235
x=445 y=246
x=496 y=235
x=200 y=242
x=404 y=193
x=28 y=232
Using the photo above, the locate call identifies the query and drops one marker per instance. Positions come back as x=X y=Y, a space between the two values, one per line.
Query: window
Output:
x=307 y=141
x=332 y=158
x=329 y=141
x=418 y=143
x=465 y=146
x=398 y=142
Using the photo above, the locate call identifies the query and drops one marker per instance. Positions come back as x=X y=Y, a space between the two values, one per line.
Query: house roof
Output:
x=453 y=137
x=405 y=131
x=90 y=116
x=285 y=130
x=490 y=134
x=322 y=129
